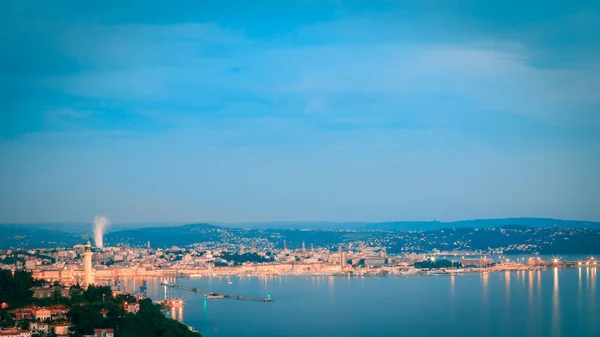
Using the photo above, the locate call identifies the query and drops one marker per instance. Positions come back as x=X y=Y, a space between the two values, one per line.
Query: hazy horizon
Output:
x=283 y=222
x=340 y=111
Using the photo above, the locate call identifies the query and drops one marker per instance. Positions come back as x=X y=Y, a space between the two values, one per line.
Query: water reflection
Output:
x=452 y=300
x=531 y=318
x=579 y=281
x=539 y=313
x=484 y=288
x=592 y=299
x=593 y=282
x=530 y=289
x=507 y=287
x=539 y=284
x=555 y=306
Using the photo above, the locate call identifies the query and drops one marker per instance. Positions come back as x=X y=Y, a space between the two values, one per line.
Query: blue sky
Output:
x=299 y=110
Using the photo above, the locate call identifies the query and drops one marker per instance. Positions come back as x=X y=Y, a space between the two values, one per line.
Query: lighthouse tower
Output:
x=87 y=264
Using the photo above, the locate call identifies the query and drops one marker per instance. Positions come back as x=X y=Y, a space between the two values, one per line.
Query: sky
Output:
x=247 y=111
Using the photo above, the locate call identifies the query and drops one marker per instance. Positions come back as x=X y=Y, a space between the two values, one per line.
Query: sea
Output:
x=551 y=302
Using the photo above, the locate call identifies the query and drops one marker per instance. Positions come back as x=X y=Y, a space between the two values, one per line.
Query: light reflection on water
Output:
x=554 y=302
x=556 y=330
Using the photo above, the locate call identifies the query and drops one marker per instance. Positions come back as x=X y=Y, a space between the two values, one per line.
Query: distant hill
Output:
x=507 y=235
x=71 y=227
x=87 y=227
x=294 y=225
x=80 y=227
x=481 y=223
x=17 y=236
x=167 y=236
x=510 y=235
x=413 y=225
x=196 y=233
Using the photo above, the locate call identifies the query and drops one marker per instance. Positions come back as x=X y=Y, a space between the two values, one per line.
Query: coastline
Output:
x=377 y=273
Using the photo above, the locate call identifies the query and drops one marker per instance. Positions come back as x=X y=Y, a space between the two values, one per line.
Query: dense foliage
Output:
x=15 y=290
x=6 y=320
x=151 y=322
x=247 y=257
x=101 y=309
x=93 y=308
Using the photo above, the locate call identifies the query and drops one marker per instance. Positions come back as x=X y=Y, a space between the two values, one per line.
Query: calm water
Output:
x=560 y=302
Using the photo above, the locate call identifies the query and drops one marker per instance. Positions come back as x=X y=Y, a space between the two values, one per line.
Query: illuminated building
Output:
x=87 y=264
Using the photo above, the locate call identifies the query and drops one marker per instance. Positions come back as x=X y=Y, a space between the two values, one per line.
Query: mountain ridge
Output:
x=78 y=227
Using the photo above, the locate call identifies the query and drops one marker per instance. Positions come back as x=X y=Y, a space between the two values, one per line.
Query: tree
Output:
x=56 y=295
x=6 y=319
x=85 y=319
x=24 y=323
x=97 y=293
x=152 y=323
x=15 y=289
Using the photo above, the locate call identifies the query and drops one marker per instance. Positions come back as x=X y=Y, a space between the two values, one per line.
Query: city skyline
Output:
x=300 y=111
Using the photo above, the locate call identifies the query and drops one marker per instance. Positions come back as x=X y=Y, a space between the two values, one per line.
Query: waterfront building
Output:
x=374 y=261
x=477 y=262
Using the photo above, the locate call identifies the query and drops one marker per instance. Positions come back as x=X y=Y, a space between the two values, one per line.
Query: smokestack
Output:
x=100 y=225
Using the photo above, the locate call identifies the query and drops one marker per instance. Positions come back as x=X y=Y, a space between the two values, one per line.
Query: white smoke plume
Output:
x=100 y=225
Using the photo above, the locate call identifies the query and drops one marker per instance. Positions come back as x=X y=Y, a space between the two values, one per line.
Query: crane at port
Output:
x=116 y=281
x=141 y=283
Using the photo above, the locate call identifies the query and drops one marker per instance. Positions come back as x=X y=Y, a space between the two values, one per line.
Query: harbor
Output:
x=210 y=295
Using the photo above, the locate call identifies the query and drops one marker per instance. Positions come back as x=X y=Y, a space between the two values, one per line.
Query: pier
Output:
x=217 y=296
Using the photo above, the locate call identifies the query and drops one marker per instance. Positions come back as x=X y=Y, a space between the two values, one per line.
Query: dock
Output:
x=211 y=295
